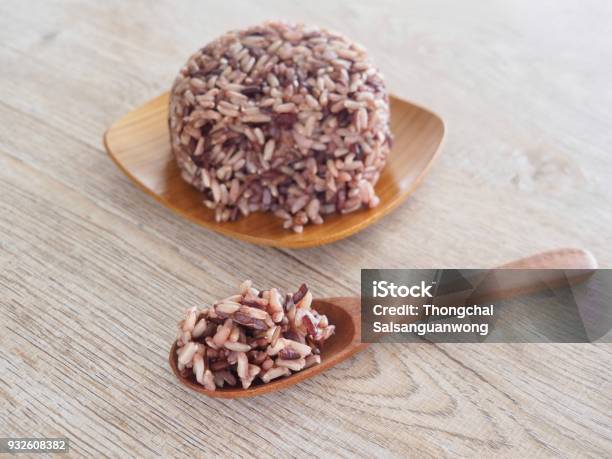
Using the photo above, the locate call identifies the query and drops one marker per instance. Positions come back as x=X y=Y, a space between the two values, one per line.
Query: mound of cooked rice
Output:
x=259 y=334
x=282 y=118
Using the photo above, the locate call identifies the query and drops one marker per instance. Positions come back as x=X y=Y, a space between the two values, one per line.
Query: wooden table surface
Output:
x=94 y=274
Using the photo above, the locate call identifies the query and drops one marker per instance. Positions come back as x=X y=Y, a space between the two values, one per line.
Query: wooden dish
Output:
x=139 y=144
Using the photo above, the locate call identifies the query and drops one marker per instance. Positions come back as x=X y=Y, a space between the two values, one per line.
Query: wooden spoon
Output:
x=345 y=312
x=139 y=144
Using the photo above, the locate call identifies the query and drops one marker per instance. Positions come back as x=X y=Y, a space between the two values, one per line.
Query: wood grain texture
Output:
x=94 y=274
x=139 y=143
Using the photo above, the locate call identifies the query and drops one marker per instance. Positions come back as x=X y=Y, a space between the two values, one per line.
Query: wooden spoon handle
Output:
x=555 y=259
x=561 y=267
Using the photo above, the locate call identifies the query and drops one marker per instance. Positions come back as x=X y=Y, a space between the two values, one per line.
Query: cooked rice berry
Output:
x=254 y=334
x=282 y=118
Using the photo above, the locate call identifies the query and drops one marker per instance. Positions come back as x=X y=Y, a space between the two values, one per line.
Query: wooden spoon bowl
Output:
x=342 y=312
x=139 y=144
x=345 y=313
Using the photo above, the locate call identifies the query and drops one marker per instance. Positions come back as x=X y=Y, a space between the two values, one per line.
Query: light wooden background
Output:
x=94 y=274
